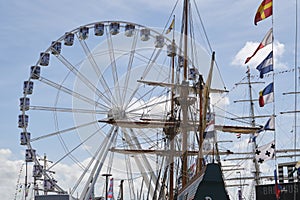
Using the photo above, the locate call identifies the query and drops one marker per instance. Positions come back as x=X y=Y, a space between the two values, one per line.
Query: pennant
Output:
x=110 y=190
x=268 y=39
x=266 y=65
x=277 y=187
x=263 y=11
x=238 y=135
x=266 y=95
x=270 y=125
x=170 y=27
x=265 y=152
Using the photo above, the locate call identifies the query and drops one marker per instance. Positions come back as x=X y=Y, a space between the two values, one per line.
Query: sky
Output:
x=28 y=27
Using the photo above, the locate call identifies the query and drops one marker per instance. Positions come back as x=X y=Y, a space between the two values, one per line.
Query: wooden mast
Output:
x=185 y=50
x=184 y=95
x=172 y=133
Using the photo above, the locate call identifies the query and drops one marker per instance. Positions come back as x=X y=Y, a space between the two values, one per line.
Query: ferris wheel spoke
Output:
x=145 y=72
x=152 y=103
x=129 y=66
x=76 y=147
x=96 y=68
x=71 y=110
x=84 y=79
x=113 y=68
x=72 y=93
x=142 y=97
x=63 y=131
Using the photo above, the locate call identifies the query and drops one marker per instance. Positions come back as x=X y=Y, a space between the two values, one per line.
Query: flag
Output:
x=192 y=170
x=171 y=26
x=266 y=65
x=297 y=166
x=238 y=135
x=268 y=39
x=209 y=131
x=266 y=95
x=270 y=125
x=277 y=187
x=265 y=152
x=110 y=190
x=263 y=11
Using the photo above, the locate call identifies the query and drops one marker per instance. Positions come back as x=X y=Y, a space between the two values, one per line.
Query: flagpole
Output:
x=296 y=78
x=296 y=85
x=273 y=79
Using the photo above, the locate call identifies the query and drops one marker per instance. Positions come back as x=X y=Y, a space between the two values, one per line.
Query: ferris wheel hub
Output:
x=116 y=113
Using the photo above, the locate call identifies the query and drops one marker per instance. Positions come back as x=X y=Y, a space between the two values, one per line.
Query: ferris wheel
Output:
x=90 y=101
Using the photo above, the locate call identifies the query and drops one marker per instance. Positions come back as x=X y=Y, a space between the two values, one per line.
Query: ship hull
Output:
x=209 y=186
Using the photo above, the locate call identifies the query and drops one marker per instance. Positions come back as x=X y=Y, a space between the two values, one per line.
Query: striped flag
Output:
x=268 y=39
x=263 y=11
x=266 y=65
x=110 y=194
x=266 y=95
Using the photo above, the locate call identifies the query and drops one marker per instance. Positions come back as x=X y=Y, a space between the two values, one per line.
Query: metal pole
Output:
x=121 y=189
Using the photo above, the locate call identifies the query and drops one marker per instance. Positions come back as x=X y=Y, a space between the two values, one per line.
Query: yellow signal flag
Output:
x=170 y=27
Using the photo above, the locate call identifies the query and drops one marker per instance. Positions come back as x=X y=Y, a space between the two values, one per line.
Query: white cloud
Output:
x=250 y=47
x=9 y=173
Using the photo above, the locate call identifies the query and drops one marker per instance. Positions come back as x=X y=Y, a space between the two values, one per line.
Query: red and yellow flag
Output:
x=263 y=11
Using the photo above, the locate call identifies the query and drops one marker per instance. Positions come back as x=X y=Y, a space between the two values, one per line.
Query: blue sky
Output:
x=28 y=27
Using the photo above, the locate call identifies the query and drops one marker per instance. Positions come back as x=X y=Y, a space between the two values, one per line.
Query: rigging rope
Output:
x=207 y=40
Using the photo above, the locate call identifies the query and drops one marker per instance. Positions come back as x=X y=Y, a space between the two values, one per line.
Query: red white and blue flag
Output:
x=266 y=95
x=110 y=194
x=277 y=186
x=266 y=65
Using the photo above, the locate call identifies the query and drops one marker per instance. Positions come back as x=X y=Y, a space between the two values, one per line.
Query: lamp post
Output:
x=106 y=184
